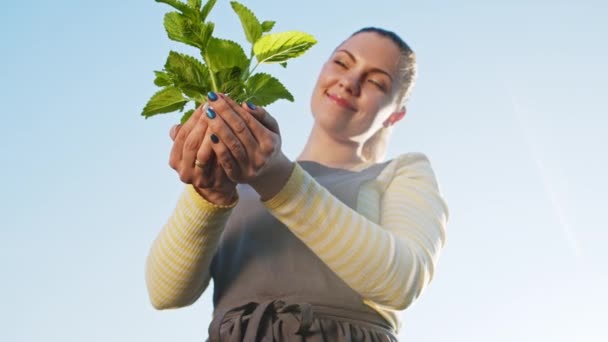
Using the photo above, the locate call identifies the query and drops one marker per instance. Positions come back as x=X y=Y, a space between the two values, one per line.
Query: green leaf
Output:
x=251 y=24
x=162 y=79
x=231 y=83
x=279 y=47
x=188 y=74
x=186 y=116
x=268 y=25
x=283 y=64
x=182 y=7
x=182 y=29
x=205 y=34
x=263 y=89
x=224 y=54
x=188 y=71
x=206 y=9
x=195 y=4
x=166 y=100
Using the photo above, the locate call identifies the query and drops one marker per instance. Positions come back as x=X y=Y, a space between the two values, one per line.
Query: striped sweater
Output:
x=399 y=225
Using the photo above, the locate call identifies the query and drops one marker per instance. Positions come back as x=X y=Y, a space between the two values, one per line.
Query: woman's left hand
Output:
x=246 y=141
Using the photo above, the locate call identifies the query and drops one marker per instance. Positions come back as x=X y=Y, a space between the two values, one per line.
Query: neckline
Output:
x=357 y=168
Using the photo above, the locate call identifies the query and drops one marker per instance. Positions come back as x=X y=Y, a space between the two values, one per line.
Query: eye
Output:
x=378 y=84
x=340 y=63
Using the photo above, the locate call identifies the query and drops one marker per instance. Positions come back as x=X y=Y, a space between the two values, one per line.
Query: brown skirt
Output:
x=277 y=320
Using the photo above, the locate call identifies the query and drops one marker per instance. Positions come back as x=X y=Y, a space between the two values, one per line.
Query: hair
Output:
x=374 y=149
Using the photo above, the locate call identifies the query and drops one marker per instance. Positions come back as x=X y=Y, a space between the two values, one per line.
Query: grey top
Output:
x=268 y=285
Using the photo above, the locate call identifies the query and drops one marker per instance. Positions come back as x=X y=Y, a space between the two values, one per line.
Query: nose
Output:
x=350 y=82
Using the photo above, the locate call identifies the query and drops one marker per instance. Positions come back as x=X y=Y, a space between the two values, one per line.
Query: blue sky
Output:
x=509 y=106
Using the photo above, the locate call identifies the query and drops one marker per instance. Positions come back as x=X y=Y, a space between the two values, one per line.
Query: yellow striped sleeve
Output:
x=387 y=255
x=177 y=267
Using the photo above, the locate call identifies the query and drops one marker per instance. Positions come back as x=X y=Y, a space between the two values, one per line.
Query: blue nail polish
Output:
x=210 y=113
x=212 y=96
x=214 y=139
x=250 y=105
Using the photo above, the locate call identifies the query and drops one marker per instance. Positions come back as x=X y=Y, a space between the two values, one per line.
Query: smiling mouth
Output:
x=340 y=102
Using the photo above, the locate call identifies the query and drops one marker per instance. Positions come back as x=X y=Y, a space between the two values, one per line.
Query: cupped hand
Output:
x=245 y=138
x=195 y=162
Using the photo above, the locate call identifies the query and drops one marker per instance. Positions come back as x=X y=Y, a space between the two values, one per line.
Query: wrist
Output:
x=221 y=198
x=268 y=184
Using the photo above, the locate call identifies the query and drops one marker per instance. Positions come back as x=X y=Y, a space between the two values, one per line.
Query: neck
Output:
x=328 y=151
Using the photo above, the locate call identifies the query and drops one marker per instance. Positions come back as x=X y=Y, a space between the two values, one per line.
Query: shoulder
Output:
x=410 y=175
x=413 y=166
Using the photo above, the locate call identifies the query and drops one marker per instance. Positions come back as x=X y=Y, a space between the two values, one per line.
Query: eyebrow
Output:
x=373 y=69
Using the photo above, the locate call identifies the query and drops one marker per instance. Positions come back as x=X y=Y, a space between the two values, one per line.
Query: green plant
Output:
x=224 y=67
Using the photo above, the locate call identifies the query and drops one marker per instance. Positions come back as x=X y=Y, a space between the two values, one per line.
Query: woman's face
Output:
x=355 y=91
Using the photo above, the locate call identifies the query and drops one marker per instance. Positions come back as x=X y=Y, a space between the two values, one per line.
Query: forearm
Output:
x=177 y=268
x=388 y=263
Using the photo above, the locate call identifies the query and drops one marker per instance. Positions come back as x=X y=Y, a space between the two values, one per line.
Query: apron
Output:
x=269 y=286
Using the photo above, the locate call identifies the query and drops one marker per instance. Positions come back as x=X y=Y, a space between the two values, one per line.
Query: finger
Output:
x=256 y=128
x=173 y=131
x=220 y=178
x=204 y=163
x=237 y=119
x=263 y=134
x=225 y=158
x=231 y=130
x=262 y=116
x=180 y=138
x=193 y=143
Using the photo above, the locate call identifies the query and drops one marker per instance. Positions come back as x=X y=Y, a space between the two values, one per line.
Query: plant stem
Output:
x=211 y=74
x=213 y=82
x=252 y=70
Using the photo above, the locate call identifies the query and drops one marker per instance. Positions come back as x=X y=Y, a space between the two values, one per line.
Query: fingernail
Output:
x=212 y=96
x=210 y=113
x=214 y=139
x=250 y=105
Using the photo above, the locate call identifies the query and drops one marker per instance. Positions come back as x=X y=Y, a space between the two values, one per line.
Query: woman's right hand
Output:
x=196 y=163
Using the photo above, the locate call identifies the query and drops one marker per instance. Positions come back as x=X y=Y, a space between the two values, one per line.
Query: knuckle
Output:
x=192 y=143
x=259 y=164
x=267 y=146
x=200 y=182
x=271 y=150
x=248 y=119
x=173 y=162
x=263 y=143
x=184 y=176
x=182 y=133
x=227 y=165
x=239 y=127
x=236 y=148
x=224 y=159
x=172 y=165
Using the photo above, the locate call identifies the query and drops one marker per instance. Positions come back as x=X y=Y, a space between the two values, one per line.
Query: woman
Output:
x=327 y=248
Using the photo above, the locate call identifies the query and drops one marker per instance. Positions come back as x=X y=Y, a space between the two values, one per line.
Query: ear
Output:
x=394 y=117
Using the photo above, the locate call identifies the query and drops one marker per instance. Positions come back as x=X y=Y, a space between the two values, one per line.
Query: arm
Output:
x=388 y=263
x=177 y=268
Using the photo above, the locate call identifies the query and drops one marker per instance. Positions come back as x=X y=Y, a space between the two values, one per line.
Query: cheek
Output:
x=326 y=75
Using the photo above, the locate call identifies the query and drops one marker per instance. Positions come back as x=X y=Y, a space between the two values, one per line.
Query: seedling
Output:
x=224 y=66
